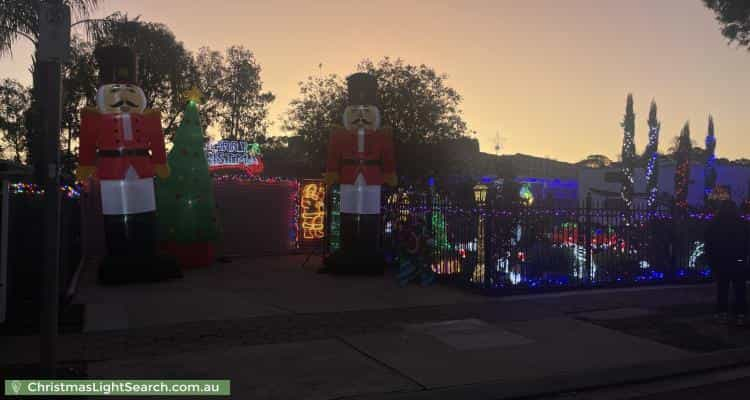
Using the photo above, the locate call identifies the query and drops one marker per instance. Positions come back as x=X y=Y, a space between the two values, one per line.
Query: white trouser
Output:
x=360 y=198
x=131 y=195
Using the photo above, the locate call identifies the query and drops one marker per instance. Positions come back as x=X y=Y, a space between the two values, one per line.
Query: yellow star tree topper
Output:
x=194 y=95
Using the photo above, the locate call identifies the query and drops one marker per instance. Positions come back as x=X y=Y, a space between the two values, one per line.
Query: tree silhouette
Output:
x=415 y=102
x=15 y=100
x=164 y=66
x=710 y=174
x=79 y=89
x=208 y=75
x=734 y=19
x=244 y=106
x=595 y=161
x=20 y=19
x=320 y=106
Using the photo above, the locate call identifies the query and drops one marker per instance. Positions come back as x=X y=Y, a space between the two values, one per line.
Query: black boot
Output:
x=360 y=247
x=340 y=262
x=131 y=246
x=370 y=256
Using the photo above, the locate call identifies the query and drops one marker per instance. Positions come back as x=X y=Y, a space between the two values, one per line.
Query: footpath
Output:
x=278 y=330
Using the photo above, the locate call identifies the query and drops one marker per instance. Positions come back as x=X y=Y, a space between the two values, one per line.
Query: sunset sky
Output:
x=551 y=76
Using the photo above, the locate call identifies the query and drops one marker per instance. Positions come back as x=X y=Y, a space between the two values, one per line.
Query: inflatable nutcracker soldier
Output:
x=122 y=146
x=361 y=160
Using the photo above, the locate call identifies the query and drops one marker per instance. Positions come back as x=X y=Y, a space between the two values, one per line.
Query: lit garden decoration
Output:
x=312 y=212
x=528 y=246
x=187 y=213
x=121 y=151
x=234 y=155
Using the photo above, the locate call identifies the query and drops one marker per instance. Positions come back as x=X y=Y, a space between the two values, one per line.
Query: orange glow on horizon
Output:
x=550 y=76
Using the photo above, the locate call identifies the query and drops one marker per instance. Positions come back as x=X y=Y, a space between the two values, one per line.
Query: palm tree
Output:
x=20 y=19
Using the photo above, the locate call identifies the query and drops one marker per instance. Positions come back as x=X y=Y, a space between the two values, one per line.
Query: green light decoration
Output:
x=439 y=229
x=527 y=197
x=334 y=238
x=253 y=149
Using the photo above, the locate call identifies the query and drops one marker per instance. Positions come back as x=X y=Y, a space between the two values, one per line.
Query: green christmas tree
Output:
x=185 y=200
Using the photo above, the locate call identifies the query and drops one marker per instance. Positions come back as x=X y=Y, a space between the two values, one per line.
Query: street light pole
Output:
x=53 y=49
x=50 y=81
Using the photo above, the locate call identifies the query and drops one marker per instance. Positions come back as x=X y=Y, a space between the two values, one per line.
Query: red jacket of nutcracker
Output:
x=376 y=163
x=114 y=142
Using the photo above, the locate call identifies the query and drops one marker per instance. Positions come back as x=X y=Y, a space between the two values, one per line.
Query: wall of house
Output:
x=736 y=177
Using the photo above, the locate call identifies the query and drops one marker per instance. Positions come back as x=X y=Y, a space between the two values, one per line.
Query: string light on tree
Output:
x=710 y=174
x=652 y=168
x=682 y=171
x=628 y=153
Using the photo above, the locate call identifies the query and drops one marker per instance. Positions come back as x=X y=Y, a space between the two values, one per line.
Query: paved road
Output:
x=733 y=390
x=729 y=384
x=279 y=331
x=295 y=327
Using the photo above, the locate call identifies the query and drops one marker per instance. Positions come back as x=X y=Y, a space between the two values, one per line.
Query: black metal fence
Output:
x=526 y=247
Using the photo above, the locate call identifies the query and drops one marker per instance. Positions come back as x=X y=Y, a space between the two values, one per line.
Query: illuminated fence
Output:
x=455 y=231
x=527 y=247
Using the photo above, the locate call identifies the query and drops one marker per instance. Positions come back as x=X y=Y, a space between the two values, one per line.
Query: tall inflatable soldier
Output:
x=122 y=145
x=361 y=159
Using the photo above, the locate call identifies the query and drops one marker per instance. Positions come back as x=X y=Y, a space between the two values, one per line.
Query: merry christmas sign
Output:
x=234 y=154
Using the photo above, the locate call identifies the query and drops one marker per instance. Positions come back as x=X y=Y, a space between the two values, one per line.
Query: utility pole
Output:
x=53 y=49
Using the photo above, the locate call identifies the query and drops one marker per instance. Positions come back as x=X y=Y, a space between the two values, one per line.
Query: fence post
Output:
x=430 y=208
x=587 y=233
x=488 y=249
